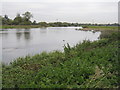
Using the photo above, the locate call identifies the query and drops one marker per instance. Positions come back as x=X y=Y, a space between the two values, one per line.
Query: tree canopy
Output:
x=18 y=20
x=25 y=19
x=27 y=15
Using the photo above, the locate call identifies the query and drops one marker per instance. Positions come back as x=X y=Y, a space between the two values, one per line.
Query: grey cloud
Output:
x=101 y=12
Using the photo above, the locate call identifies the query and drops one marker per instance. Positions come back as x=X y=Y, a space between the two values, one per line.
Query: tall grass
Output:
x=87 y=65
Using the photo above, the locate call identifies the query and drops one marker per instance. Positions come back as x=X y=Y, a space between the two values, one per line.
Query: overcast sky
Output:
x=81 y=11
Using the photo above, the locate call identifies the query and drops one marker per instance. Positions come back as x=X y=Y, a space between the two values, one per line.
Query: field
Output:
x=86 y=65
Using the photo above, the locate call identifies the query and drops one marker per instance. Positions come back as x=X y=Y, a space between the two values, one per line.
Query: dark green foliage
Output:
x=87 y=65
x=6 y=20
x=85 y=26
x=43 y=24
x=17 y=20
x=60 y=24
x=27 y=16
x=34 y=22
x=25 y=20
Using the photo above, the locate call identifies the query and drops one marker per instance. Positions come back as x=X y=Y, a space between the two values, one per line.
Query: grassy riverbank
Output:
x=101 y=28
x=19 y=26
x=39 y=26
x=86 y=65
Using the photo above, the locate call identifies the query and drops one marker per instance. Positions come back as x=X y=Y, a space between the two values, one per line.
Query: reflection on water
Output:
x=21 y=42
x=43 y=30
x=18 y=34
x=27 y=34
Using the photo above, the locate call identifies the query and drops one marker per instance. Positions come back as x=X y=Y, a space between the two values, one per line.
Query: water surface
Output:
x=21 y=42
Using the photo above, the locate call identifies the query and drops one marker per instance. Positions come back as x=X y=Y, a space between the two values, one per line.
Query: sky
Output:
x=81 y=11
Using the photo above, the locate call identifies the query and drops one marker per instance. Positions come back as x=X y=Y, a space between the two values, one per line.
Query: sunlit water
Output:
x=21 y=42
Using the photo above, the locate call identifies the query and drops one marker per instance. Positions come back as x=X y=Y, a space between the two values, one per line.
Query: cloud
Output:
x=102 y=12
x=60 y=1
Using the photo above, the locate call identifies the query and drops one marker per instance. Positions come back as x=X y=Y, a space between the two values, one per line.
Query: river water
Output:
x=16 y=43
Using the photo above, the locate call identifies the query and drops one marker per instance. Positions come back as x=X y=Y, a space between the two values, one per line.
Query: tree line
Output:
x=18 y=20
x=24 y=19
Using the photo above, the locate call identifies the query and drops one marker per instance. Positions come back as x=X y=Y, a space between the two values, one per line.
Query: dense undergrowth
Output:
x=86 y=65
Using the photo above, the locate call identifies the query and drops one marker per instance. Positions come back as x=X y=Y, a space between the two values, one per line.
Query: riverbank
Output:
x=101 y=28
x=86 y=65
x=19 y=26
x=105 y=30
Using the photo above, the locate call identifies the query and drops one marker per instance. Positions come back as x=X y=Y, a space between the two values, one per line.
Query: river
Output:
x=21 y=42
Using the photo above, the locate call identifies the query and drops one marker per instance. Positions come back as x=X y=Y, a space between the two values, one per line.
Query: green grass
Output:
x=101 y=28
x=86 y=65
x=19 y=26
x=0 y=26
x=38 y=26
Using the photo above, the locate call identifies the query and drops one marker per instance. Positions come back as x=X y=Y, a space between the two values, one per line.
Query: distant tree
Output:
x=17 y=20
x=10 y=22
x=34 y=22
x=58 y=24
x=26 y=18
x=65 y=24
x=43 y=24
x=1 y=20
x=26 y=22
x=6 y=20
x=51 y=24
x=6 y=17
x=27 y=15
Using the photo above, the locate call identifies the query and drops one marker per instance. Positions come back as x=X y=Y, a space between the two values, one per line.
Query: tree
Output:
x=34 y=22
x=43 y=24
x=1 y=20
x=6 y=17
x=27 y=15
x=6 y=20
x=26 y=18
x=17 y=20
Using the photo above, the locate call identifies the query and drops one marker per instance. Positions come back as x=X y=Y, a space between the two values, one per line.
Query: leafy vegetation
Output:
x=86 y=65
x=18 y=20
x=21 y=21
